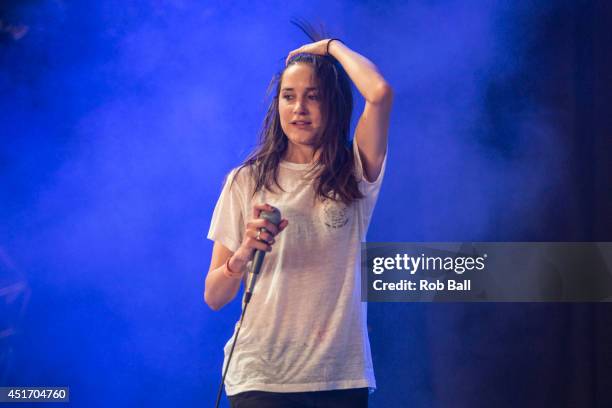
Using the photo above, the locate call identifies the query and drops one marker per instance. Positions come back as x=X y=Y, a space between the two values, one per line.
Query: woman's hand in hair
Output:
x=317 y=48
x=254 y=229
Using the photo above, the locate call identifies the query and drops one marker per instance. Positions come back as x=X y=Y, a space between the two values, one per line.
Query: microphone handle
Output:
x=274 y=217
x=255 y=268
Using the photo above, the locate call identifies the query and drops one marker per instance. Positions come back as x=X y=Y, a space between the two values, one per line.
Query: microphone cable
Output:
x=229 y=357
x=274 y=217
x=248 y=293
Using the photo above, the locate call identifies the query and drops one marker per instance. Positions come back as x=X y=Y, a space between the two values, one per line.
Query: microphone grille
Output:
x=273 y=216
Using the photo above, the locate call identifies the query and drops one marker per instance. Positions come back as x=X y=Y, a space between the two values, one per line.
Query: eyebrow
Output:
x=314 y=88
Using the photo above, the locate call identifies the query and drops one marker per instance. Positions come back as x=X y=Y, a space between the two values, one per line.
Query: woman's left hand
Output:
x=318 y=48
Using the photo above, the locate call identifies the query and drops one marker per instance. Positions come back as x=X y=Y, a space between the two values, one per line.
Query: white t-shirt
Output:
x=305 y=327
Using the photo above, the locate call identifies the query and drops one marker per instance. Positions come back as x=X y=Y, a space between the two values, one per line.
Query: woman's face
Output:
x=299 y=105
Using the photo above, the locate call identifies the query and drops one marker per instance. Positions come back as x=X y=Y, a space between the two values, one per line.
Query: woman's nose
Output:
x=299 y=106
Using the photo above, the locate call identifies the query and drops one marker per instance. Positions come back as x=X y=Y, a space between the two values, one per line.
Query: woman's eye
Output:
x=288 y=97
x=313 y=97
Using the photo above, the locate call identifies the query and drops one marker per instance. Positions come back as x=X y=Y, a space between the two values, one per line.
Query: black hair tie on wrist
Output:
x=329 y=42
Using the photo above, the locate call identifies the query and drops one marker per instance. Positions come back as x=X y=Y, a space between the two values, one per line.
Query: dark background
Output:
x=119 y=120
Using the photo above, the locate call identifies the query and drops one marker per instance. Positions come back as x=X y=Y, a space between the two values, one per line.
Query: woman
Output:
x=304 y=340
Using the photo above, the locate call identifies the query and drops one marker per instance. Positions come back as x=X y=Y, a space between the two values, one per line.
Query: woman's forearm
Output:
x=219 y=289
x=362 y=72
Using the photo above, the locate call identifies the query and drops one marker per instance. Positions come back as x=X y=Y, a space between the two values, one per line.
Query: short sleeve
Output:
x=367 y=187
x=227 y=224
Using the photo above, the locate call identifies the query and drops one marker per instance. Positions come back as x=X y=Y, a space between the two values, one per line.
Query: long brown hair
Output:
x=334 y=171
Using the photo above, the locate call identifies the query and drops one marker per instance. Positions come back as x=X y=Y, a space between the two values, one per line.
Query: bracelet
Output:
x=329 y=42
x=228 y=271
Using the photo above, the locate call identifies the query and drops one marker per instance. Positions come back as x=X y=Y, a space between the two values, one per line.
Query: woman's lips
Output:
x=301 y=124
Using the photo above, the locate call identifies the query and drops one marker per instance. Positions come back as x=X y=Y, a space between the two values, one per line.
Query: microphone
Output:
x=274 y=217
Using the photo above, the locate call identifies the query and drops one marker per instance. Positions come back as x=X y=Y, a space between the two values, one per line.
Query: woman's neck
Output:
x=301 y=154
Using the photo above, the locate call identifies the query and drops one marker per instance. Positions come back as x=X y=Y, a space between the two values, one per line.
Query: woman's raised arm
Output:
x=372 y=128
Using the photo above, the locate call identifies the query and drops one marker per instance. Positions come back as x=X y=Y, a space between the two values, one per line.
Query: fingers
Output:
x=260 y=223
x=266 y=233
x=291 y=54
x=259 y=232
x=282 y=225
x=294 y=52
x=260 y=235
x=318 y=48
x=254 y=243
x=258 y=208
